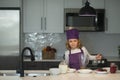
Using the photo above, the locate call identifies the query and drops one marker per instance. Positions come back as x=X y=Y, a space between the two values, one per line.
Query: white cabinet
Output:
x=9 y=3
x=32 y=15
x=112 y=16
x=73 y=3
x=99 y=4
x=80 y=3
x=54 y=16
x=43 y=16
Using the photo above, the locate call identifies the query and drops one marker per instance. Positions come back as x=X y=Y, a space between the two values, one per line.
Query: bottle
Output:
x=113 y=68
x=63 y=67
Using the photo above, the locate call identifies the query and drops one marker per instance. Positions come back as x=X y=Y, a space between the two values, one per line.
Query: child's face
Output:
x=73 y=43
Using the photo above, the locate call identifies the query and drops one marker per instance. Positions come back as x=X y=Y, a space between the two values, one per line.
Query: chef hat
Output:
x=72 y=34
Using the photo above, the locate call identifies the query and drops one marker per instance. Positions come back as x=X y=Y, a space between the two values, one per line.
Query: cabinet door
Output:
x=81 y=3
x=9 y=3
x=40 y=65
x=113 y=16
x=54 y=10
x=73 y=3
x=43 y=16
x=32 y=15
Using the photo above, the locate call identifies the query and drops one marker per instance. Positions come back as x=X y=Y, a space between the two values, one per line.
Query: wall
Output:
x=101 y=43
x=95 y=42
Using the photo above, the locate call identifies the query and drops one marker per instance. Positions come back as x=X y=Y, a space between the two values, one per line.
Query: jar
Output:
x=63 y=67
x=113 y=68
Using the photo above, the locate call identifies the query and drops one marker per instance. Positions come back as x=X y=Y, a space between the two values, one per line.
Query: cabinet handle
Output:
x=45 y=23
x=41 y=23
x=106 y=24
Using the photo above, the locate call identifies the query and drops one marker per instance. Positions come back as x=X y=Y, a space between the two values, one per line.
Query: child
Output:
x=77 y=55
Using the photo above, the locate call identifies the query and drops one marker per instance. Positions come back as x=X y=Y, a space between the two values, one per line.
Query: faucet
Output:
x=22 y=60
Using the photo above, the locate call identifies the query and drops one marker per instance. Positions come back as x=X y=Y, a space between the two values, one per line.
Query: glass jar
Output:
x=113 y=68
x=63 y=67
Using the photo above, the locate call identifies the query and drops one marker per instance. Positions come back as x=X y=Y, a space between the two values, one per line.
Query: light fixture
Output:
x=87 y=10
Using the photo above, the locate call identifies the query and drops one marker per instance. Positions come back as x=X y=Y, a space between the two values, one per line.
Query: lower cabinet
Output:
x=40 y=65
x=9 y=62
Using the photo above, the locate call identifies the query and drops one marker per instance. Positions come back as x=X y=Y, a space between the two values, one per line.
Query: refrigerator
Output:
x=9 y=38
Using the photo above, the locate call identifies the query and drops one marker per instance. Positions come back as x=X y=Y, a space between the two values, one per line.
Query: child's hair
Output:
x=78 y=46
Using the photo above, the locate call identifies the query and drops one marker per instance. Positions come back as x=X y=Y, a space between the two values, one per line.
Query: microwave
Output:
x=85 y=23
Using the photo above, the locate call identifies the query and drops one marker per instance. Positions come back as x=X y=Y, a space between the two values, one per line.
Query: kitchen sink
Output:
x=37 y=74
x=33 y=73
x=26 y=74
x=9 y=74
x=1 y=74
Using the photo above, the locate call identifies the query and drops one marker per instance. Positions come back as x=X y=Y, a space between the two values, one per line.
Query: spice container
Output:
x=113 y=68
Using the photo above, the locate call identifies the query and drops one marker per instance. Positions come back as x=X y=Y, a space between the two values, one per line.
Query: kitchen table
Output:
x=77 y=76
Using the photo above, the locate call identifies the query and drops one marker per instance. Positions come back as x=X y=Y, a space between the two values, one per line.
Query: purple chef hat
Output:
x=72 y=34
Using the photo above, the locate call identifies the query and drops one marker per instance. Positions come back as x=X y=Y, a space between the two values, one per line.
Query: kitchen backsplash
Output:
x=38 y=42
x=95 y=42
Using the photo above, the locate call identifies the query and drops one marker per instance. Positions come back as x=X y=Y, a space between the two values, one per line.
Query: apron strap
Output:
x=80 y=49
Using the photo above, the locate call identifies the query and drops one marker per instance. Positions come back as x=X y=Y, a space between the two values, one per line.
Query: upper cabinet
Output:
x=73 y=3
x=80 y=3
x=32 y=15
x=43 y=16
x=99 y=4
x=112 y=16
x=9 y=3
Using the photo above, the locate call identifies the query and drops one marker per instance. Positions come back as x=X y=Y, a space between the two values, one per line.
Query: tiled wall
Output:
x=95 y=42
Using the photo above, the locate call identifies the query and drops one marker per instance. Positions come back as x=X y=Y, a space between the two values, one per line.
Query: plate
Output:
x=71 y=70
x=101 y=72
x=85 y=71
x=107 y=68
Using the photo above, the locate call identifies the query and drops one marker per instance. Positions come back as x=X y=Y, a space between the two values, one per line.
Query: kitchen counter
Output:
x=77 y=76
x=10 y=78
x=109 y=58
x=67 y=76
x=44 y=60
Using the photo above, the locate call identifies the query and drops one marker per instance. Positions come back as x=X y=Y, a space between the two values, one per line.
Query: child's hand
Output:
x=98 y=56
